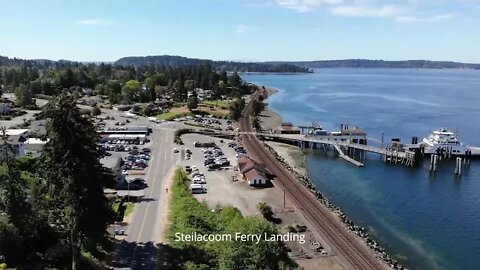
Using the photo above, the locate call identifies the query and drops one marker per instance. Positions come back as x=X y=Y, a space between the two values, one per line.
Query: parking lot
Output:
x=222 y=188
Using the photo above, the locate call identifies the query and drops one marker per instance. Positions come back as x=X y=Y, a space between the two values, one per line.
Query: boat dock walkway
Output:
x=347 y=158
x=314 y=139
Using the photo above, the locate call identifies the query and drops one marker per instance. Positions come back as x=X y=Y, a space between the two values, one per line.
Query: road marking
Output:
x=142 y=227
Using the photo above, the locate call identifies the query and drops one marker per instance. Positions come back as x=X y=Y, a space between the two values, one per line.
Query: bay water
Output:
x=426 y=221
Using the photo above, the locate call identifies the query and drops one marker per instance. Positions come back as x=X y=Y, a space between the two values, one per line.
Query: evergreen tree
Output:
x=75 y=177
x=192 y=102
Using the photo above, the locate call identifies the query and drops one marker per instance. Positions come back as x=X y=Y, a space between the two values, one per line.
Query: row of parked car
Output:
x=214 y=158
x=239 y=151
x=136 y=160
x=198 y=180
x=117 y=148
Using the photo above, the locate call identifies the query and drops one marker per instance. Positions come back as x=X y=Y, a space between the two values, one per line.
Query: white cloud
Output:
x=435 y=18
x=365 y=11
x=303 y=6
x=241 y=28
x=94 y=21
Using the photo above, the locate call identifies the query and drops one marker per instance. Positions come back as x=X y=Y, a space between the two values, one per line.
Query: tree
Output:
x=256 y=124
x=234 y=80
x=257 y=107
x=130 y=91
x=192 y=102
x=75 y=177
x=24 y=96
x=12 y=196
x=236 y=108
x=95 y=111
x=265 y=210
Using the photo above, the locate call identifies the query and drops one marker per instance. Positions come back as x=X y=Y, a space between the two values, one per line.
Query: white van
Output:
x=197 y=189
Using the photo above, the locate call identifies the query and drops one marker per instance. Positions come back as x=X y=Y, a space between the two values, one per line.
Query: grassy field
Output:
x=217 y=103
x=176 y=112
x=190 y=216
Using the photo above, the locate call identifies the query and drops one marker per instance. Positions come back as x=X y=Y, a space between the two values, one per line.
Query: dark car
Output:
x=146 y=150
x=213 y=166
x=208 y=162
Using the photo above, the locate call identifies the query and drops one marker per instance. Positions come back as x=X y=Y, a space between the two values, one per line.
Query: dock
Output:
x=347 y=158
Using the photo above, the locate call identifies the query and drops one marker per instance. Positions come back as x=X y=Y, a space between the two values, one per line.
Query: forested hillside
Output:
x=179 y=61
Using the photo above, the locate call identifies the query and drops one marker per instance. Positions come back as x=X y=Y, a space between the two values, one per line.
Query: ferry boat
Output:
x=446 y=140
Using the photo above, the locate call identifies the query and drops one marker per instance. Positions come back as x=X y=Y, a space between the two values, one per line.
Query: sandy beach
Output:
x=270 y=120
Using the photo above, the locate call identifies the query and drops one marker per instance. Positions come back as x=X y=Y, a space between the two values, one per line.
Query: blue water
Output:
x=425 y=221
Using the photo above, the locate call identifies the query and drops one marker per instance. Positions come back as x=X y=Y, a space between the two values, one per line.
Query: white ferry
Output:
x=446 y=140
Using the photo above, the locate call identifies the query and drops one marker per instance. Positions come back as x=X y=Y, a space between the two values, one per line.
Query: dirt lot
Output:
x=222 y=190
x=220 y=185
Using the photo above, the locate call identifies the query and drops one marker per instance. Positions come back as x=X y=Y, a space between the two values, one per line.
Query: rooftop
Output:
x=16 y=132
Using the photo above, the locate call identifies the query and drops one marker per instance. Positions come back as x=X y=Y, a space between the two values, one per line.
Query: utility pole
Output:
x=283 y=198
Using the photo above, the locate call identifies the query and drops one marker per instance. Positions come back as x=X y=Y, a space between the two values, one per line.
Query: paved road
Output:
x=138 y=250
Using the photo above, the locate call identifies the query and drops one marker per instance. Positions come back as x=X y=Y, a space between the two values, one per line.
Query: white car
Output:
x=199 y=181
x=175 y=150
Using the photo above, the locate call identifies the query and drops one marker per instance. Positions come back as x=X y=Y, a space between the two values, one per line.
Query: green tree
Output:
x=75 y=177
x=256 y=124
x=234 y=80
x=257 y=107
x=95 y=111
x=24 y=96
x=236 y=108
x=265 y=210
x=130 y=91
x=12 y=196
x=192 y=102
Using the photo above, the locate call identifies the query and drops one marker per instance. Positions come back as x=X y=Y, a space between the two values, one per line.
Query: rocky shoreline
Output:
x=307 y=182
x=360 y=231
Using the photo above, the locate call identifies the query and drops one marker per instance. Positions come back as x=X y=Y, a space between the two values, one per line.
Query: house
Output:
x=203 y=94
x=255 y=173
x=34 y=146
x=87 y=101
x=288 y=128
x=87 y=91
x=5 y=108
x=17 y=138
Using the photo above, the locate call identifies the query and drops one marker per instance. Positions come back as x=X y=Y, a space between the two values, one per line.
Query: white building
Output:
x=34 y=146
x=17 y=138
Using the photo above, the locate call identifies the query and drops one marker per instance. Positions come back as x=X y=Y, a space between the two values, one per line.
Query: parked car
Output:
x=175 y=150
x=213 y=166
x=199 y=181
x=208 y=162
x=197 y=188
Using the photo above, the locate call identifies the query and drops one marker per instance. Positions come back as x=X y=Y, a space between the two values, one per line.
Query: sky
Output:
x=241 y=30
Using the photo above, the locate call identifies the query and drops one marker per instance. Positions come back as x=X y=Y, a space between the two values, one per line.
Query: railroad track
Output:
x=341 y=240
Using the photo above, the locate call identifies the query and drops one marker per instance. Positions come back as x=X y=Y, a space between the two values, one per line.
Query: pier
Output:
x=347 y=158
x=352 y=143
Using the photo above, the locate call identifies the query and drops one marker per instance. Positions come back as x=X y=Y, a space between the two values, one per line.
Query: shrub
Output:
x=265 y=210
